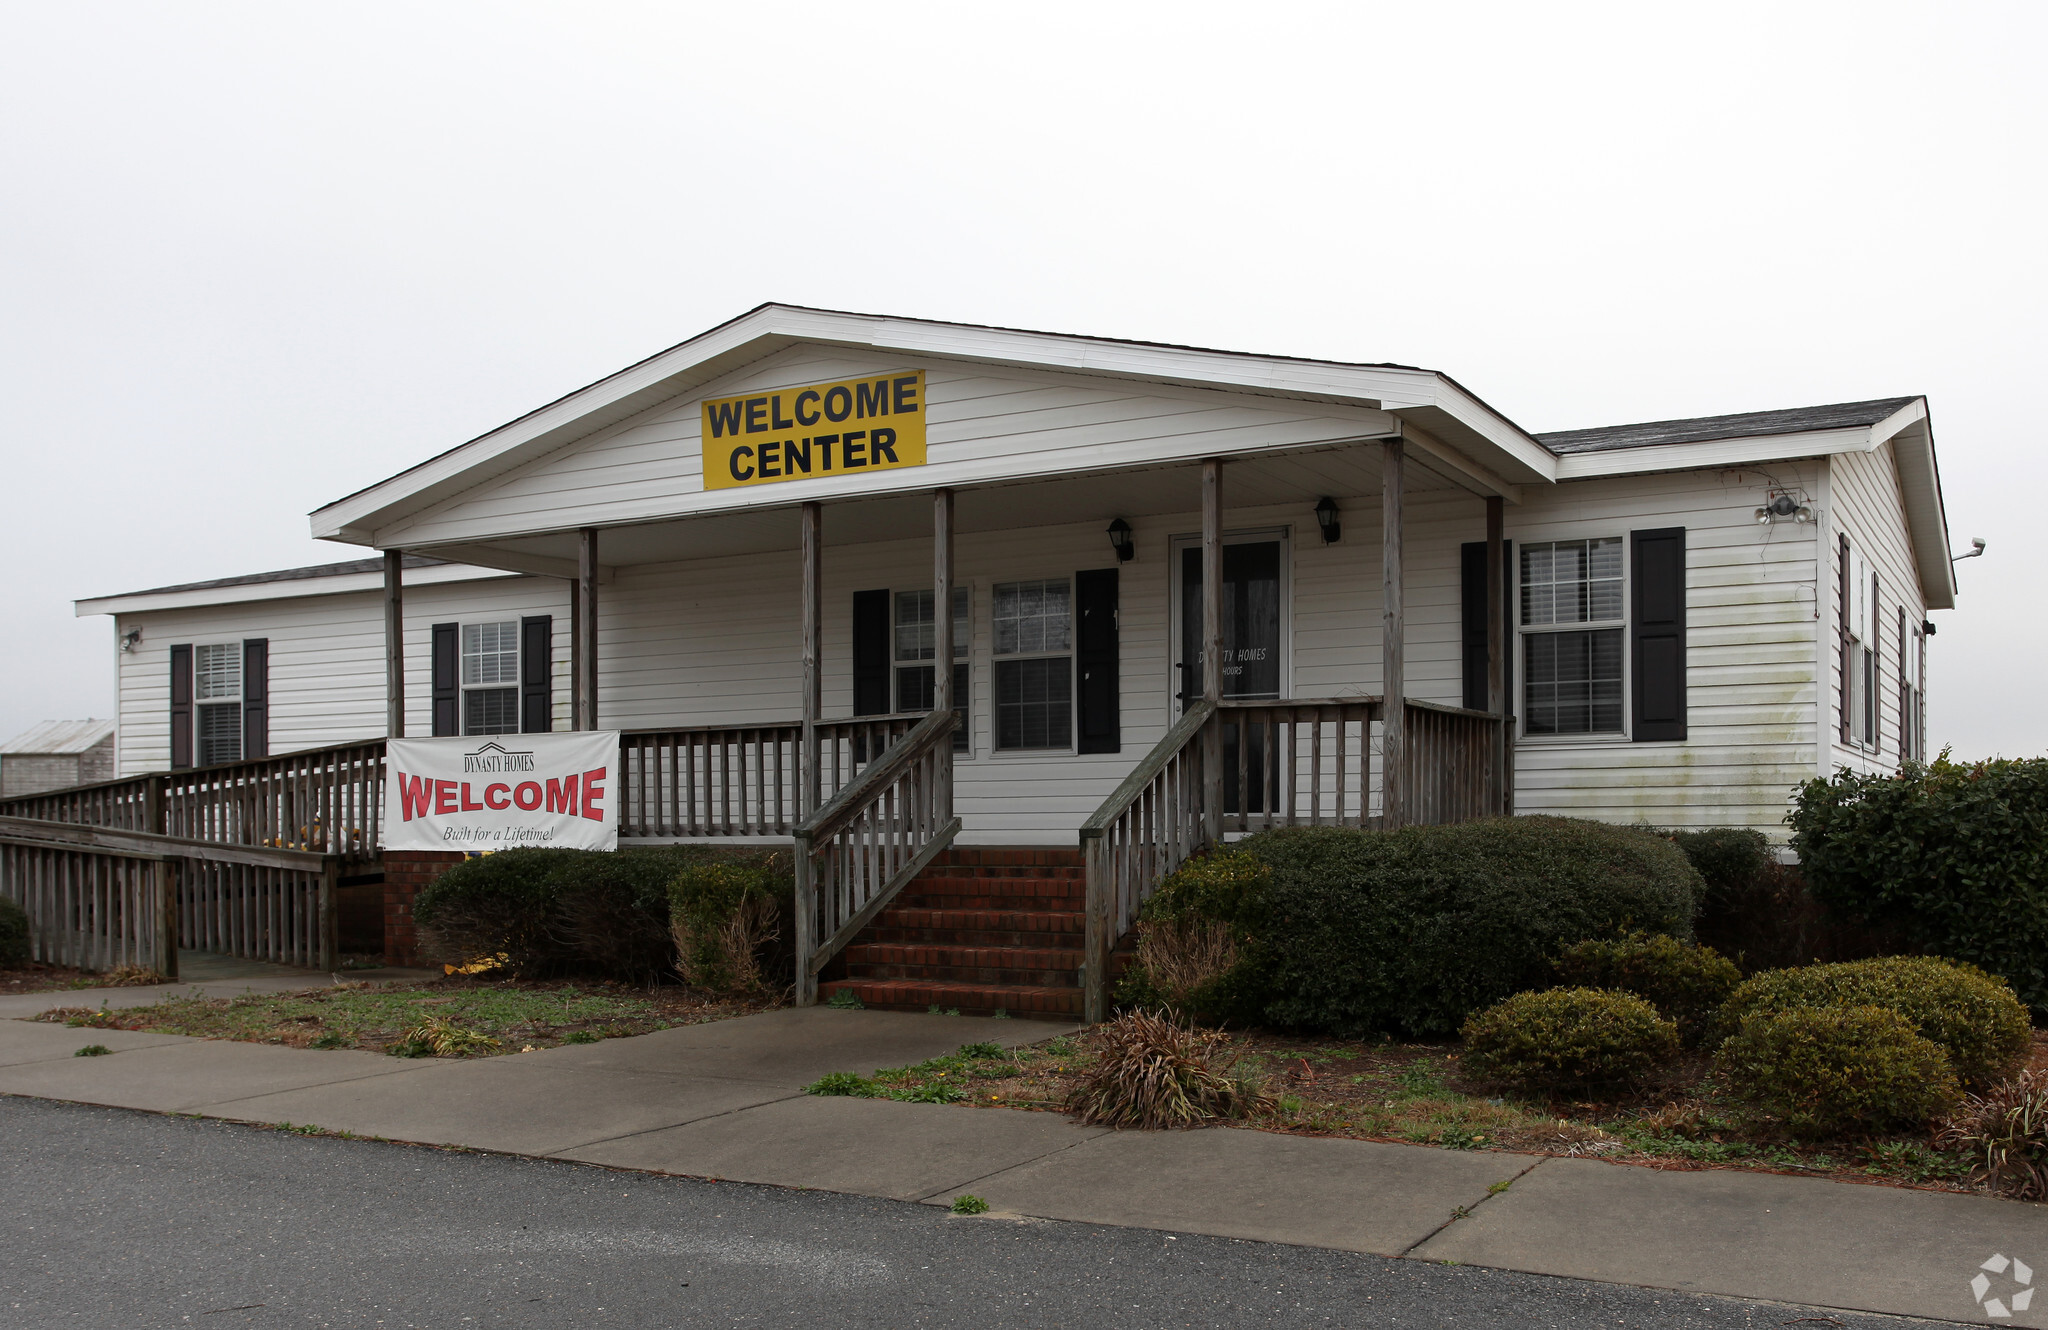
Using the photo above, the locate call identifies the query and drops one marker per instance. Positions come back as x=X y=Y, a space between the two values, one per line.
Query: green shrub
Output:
x=723 y=918
x=1837 y=1070
x=1972 y=1017
x=1727 y=859
x=1411 y=931
x=14 y=938
x=1568 y=1039
x=502 y=904
x=1686 y=983
x=551 y=912
x=1954 y=857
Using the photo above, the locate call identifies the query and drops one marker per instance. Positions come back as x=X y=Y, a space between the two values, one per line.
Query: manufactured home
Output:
x=1381 y=599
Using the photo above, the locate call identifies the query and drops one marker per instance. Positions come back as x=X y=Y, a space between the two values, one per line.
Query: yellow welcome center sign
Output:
x=821 y=429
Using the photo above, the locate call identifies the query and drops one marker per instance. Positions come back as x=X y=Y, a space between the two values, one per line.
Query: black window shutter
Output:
x=255 y=697
x=1472 y=620
x=181 y=706
x=1658 y=629
x=871 y=653
x=536 y=674
x=447 y=668
x=1096 y=659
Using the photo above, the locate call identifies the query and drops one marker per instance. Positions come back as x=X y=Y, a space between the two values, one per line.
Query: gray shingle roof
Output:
x=292 y=575
x=60 y=736
x=1750 y=424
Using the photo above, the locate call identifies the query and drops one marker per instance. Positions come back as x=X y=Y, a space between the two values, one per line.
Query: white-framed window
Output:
x=1574 y=629
x=1034 y=664
x=217 y=700
x=914 y=639
x=490 y=677
x=1861 y=702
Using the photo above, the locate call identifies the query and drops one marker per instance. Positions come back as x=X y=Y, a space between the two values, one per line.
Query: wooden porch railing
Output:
x=872 y=837
x=324 y=800
x=1282 y=764
x=740 y=780
x=99 y=897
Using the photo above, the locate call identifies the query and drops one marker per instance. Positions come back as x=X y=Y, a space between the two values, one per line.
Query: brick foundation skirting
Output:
x=405 y=873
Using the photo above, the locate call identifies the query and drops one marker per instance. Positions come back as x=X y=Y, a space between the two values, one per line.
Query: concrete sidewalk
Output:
x=725 y=1100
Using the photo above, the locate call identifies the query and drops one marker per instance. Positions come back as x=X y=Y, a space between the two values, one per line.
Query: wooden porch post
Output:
x=394 y=645
x=1212 y=646
x=942 y=638
x=1393 y=644
x=586 y=631
x=1496 y=648
x=813 y=613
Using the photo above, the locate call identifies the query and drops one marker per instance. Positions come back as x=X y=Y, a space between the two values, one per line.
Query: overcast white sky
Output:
x=259 y=255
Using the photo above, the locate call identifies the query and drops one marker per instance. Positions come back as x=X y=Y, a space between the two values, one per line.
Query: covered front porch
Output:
x=1146 y=660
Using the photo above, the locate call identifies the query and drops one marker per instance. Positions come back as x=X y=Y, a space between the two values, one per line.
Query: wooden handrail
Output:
x=151 y=845
x=869 y=840
x=1184 y=730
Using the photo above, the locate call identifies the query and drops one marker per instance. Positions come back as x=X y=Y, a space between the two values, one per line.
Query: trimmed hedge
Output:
x=1686 y=983
x=1568 y=1039
x=14 y=938
x=1832 y=1071
x=552 y=912
x=1952 y=857
x=1353 y=931
x=1973 y=1017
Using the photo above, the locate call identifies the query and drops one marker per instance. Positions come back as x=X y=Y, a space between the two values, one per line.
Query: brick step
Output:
x=1021 y=1000
x=1058 y=940
x=959 y=872
x=940 y=954
x=1017 y=921
x=985 y=904
x=1018 y=856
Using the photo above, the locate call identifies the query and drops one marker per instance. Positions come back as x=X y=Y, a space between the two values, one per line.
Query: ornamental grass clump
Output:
x=1686 y=983
x=1975 y=1019
x=1192 y=936
x=1154 y=1072
x=723 y=918
x=1829 y=1071
x=437 y=1036
x=2005 y=1133
x=1568 y=1039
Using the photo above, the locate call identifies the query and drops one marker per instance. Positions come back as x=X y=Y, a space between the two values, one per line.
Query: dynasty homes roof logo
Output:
x=2017 y=1299
x=496 y=757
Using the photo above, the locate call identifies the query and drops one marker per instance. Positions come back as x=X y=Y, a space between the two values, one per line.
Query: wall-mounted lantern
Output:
x=1326 y=518
x=1120 y=541
x=131 y=639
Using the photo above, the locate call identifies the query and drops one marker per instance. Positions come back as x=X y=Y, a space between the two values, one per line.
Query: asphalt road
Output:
x=119 y=1219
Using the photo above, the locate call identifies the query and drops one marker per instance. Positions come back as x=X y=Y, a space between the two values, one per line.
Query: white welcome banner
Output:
x=496 y=792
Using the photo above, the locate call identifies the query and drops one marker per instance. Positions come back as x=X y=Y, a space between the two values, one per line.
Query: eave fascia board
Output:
x=292 y=589
x=515 y=561
x=1911 y=435
x=766 y=330
x=1711 y=454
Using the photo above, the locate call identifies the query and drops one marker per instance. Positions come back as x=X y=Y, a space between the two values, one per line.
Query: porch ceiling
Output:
x=1345 y=471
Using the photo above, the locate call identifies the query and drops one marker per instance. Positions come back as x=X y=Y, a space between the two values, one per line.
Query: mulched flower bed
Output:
x=36 y=977
x=483 y=1016
x=1413 y=1094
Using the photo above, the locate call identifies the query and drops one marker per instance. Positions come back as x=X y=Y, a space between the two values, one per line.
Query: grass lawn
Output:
x=1412 y=1093
x=473 y=1017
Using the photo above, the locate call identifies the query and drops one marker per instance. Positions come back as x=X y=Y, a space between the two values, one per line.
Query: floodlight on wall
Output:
x=1783 y=506
x=1326 y=518
x=1120 y=541
x=131 y=639
x=1976 y=550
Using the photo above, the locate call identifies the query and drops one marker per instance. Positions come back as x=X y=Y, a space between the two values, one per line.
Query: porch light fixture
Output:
x=1120 y=541
x=1326 y=518
x=1976 y=550
x=1783 y=506
x=131 y=639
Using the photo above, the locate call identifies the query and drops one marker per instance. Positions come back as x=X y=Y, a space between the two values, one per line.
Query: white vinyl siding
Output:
x=1866 y=503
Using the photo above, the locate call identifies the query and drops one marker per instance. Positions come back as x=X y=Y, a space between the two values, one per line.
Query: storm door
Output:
x=1252 y=659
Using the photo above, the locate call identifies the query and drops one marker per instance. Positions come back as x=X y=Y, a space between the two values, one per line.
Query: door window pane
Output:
x=1572 y=682
x=1251 y=620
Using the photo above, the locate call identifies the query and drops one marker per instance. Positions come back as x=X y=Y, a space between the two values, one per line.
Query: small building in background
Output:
x=55 y=754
